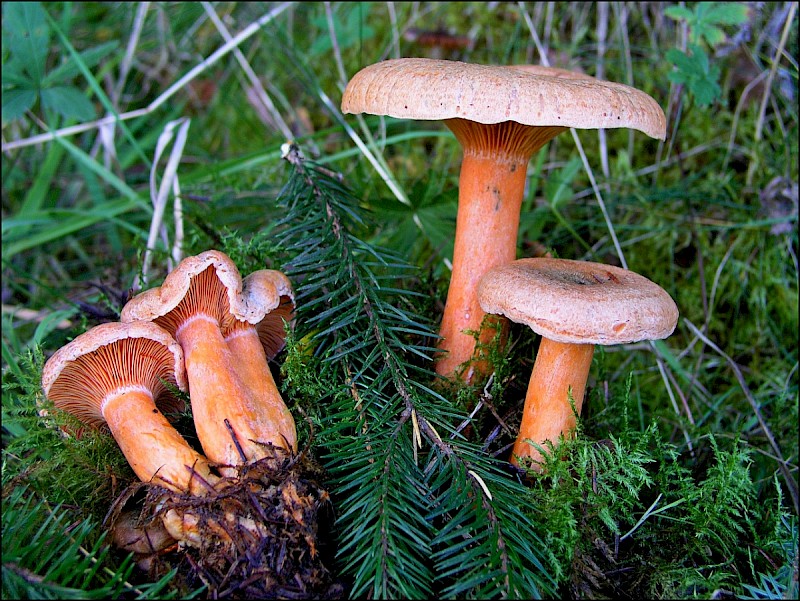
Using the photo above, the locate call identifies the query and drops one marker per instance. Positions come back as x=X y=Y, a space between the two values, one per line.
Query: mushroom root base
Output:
x=263 y=533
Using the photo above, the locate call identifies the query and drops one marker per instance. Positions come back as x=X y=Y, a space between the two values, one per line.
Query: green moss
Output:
x=631 y=514
x=84 y=471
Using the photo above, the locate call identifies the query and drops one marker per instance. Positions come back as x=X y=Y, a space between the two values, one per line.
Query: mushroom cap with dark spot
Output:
x=431 y=89
x=578 y=301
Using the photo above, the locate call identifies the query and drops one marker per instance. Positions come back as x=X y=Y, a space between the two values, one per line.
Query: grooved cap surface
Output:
x=578 y=301
x=249 y=304
x=431 y=89
x=159 y=301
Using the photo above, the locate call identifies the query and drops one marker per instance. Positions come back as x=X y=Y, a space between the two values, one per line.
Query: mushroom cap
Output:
x=579 y=302
x=432 y=89
x=554 y=72
x=109 y=357
x=222 y=295
x=267 y=293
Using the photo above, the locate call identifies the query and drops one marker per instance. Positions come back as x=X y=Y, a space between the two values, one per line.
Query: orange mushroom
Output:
x=115 y=374
x=573 y=305
x=269 y=298
x=501 y=116
x=200 y=295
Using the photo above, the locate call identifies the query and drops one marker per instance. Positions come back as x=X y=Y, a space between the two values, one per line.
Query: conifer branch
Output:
x=461 y=509
x=48 y=555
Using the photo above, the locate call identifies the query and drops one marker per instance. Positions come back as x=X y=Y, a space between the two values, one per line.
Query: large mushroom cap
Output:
x=578 y=301
x=108 y=358
x=430 y=89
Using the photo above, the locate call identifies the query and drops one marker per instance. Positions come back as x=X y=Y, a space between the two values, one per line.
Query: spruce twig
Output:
x=46 y=554
x=453 y=526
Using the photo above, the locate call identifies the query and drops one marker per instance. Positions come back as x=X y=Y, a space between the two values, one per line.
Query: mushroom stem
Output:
x=218 y=394
x=113 y=374
x=153 y=447
x=195 y=301
x=490 y=193
x=276 y=424
x=560 y=370
x=501 y=115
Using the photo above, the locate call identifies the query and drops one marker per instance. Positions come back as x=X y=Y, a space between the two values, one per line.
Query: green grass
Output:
x=682 y=482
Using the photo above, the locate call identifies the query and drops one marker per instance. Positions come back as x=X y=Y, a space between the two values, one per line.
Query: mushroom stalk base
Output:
x=560 y=370
x=276 y=420
x=218 y=394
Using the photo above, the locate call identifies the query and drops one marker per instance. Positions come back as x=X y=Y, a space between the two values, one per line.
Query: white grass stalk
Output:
x=277 y=121
x=383 y=172
x=337 y=53
x=621 y=11
x=395 y=33
x=665 y=378
x=177 y=215
x=106 y=133
x=130 y=50
x=160 y=194
x=227 y=47
x=675 y=100
x=587 y=167
x=602 y=33
x=600 y=202
x=375 y=160
x=768 y=86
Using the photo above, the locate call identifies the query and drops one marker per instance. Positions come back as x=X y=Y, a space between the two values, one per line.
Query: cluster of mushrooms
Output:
x=208 y=332
x=501 y=116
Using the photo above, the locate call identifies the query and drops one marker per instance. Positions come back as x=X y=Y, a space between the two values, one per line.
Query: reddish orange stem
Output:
x=217 y=394
x=490 y=193
x=271 y=416
x=152 y=446
x=560 y=370
x=490 y=197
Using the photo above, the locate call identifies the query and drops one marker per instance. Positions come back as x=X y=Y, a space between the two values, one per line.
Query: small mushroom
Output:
x=116 y=374
x=200 y=295
x=501 y=115
x=573 y=305
x=269 y=297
